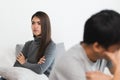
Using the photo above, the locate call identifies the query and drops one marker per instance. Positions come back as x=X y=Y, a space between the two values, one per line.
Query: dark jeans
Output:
x=2 y=79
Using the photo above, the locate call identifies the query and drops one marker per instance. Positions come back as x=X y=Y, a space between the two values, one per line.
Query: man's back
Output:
x=74 y=64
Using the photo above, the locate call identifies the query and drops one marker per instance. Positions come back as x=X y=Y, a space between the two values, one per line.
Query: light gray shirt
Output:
x=73 y=65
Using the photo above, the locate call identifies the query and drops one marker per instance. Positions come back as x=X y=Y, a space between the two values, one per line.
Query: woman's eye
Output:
x=38 y=23
x=33 y=22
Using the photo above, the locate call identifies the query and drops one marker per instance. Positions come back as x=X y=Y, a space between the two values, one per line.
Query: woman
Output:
x=38 y=54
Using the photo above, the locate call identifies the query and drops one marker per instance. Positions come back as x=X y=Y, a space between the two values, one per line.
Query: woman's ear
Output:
x=97 y=47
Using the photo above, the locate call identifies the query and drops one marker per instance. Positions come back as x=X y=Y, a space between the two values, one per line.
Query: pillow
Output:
x=18 y=49
x=19 y=73
x=60 y=50
x=7 y=57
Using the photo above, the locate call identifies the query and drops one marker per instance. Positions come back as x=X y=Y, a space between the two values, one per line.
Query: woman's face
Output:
x=36 y=26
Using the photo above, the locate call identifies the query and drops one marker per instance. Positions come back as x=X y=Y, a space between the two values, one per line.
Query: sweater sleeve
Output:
x=49 y=56
x=24 y=51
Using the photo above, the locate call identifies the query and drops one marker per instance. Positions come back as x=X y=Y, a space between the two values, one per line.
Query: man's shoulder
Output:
x=76 y=49
x=75 y=53
x=70 y=64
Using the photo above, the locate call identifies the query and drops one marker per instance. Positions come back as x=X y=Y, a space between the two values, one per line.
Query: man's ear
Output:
x=97 y=47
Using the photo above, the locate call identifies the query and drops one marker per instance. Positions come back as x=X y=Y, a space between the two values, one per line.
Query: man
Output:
x=99 y=49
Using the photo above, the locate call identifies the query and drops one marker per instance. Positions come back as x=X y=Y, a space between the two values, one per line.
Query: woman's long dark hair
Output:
x=45 y=32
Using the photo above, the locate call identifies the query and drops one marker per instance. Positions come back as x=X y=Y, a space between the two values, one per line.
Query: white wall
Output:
x=67 y=19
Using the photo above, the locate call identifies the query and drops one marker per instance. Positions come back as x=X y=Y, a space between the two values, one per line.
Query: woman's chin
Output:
x=36 y=34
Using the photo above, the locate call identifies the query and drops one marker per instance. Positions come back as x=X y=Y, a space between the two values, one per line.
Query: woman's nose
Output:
x=35 y=25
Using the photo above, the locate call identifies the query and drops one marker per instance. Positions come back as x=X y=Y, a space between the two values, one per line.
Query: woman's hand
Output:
x=42 y=60
x=21 y=58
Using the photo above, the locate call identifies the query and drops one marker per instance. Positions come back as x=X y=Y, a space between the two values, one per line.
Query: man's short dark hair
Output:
x=103 y=27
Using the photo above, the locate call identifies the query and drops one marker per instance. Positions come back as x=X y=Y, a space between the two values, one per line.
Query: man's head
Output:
x=103 y=29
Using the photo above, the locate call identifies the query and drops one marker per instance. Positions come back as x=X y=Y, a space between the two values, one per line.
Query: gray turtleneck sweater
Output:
x=30 y=51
